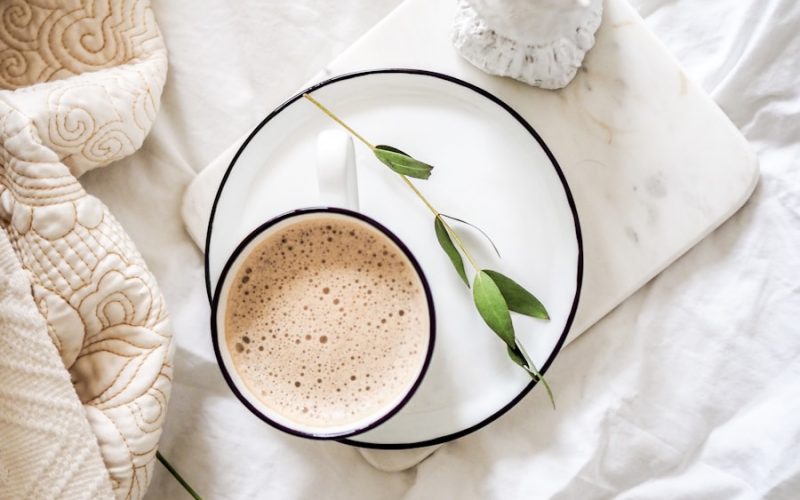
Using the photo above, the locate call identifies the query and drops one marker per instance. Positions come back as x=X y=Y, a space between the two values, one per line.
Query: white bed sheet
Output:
x=690 y=389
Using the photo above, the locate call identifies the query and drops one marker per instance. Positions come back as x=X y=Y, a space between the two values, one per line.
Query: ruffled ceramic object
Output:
x=539 y=42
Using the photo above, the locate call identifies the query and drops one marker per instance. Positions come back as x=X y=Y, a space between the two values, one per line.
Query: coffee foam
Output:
x=327 y=321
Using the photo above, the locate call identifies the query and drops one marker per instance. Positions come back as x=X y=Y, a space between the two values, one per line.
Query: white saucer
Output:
x=491 y=168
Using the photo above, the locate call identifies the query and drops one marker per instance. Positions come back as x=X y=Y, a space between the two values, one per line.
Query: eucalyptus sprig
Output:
x=495 y=295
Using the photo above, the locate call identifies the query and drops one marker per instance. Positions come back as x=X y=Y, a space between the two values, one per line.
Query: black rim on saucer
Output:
x=386 y=232
x=567 y=193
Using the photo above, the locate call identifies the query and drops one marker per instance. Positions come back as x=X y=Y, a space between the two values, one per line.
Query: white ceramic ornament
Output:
x=539 y=42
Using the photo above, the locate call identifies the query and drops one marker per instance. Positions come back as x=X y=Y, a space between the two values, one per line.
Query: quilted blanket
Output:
x=81 y=82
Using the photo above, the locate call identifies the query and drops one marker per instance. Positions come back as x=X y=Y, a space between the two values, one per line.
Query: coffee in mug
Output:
x=327 y=322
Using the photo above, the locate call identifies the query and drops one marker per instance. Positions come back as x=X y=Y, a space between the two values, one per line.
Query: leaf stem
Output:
x=436 y=213
x=177 y=476
x=531 y=368
x=419 y=195
x=461 y=245
x=494 y=247
x=337 y=120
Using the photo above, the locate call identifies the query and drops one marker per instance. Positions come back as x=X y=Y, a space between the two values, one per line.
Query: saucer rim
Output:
x=567 y=192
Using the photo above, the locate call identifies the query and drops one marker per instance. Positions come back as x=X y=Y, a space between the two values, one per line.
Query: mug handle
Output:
x=336 y=170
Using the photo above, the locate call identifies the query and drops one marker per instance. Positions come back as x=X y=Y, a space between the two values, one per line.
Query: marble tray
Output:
x=653 y=163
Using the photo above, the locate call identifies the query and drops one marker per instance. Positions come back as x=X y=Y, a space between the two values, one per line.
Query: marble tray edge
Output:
x=747 y=192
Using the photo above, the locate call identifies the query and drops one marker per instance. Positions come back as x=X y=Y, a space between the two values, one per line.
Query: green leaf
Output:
x=516 y=357
x=520 y=357
x=402 y=163
x=393 y=149
x=477 y=228
x=517 y=298
x=450 y=249
x=492 y=307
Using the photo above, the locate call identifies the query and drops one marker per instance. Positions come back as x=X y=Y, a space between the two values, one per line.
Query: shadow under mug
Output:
x=337 y=182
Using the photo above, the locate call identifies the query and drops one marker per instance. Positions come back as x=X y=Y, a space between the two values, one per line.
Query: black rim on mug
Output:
x=215 y=305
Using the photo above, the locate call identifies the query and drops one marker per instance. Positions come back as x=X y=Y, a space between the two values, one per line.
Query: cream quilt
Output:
x=81 y=82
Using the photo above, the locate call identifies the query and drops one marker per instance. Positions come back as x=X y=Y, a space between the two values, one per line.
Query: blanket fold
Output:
x=81 y=87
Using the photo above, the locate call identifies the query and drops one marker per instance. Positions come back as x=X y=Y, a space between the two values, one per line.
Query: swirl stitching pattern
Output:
x=81 y=82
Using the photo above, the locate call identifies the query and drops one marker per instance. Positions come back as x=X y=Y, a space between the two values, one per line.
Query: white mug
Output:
x=336 y=175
